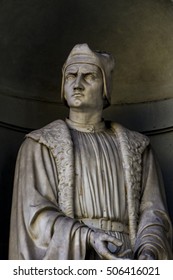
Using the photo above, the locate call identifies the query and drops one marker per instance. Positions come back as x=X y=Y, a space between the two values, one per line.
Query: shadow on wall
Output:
x=10 y=141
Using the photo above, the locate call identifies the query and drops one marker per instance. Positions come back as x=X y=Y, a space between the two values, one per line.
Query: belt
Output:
x=105 y=224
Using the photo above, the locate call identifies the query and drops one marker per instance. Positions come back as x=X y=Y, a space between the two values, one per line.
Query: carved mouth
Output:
x=78 y=94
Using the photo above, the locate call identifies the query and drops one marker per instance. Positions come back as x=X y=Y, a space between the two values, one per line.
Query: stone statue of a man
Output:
x=85 y=188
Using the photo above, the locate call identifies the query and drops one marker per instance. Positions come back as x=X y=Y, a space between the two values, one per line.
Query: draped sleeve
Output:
x=154 y=229
x=39 y=230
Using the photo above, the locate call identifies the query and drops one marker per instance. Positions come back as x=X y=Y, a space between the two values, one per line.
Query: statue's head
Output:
x=82 y=54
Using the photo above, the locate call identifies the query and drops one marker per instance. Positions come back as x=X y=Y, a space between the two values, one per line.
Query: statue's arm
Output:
x=155 y=229
x=39 y=230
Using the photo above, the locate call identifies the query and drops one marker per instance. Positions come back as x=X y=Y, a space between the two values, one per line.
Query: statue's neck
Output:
x=97 y=127
x=85 y=117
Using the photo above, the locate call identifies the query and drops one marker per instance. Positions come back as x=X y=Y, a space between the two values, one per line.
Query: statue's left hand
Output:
x=99 y=241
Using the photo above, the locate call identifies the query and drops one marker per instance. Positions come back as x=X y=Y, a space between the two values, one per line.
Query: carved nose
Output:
x=78 y=83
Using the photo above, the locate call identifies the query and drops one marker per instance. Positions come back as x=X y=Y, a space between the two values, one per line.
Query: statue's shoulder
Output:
x=131 y=137
x=51 y=134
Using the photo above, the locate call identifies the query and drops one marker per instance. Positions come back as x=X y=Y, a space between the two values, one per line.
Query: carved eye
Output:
x=70 y=77
x=90 y=77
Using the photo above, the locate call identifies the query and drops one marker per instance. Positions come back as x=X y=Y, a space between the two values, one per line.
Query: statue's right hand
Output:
x=99 y=241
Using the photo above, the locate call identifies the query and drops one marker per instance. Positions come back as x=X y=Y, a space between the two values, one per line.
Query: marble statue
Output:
x=86 y=188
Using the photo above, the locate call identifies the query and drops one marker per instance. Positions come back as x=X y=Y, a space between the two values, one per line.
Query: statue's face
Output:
x=83 y=86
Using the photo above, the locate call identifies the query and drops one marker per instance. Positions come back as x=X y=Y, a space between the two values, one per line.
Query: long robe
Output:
x=41 y=229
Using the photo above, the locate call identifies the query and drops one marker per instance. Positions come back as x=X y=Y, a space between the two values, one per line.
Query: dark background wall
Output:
x=35 y=39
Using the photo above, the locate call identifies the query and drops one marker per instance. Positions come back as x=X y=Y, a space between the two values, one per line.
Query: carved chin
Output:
x=75 y=103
